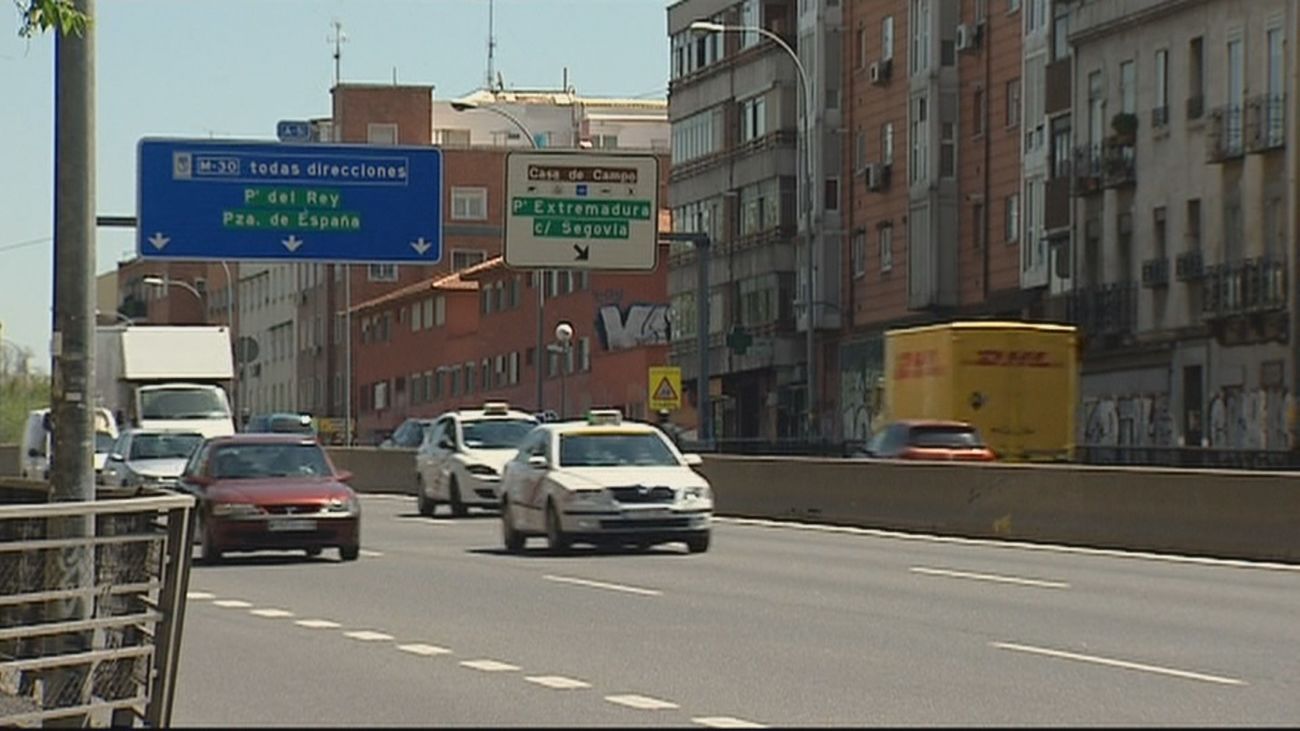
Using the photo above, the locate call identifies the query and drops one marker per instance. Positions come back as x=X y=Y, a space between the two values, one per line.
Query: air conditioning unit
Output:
x=873 y=73
x=965 y=38
x=871 y=174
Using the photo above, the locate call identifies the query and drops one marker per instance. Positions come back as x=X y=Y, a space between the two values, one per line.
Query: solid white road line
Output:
x=199 y=595
x=489 y=666
x=1044 y=583
x=603 y=585
x=641 y=702
x=384 y=496
x=366 y=635
x=371 y=554
x=232 y=603
x=271 y=613
x=1046 y=547
x=1118 y=663
x=419 y=648
x=317 y=624
x=558 y=682
x=726 y=722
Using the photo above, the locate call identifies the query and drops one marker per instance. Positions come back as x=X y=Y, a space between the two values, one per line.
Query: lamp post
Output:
x=704 y=26
x=540 y=283
x=564 y=343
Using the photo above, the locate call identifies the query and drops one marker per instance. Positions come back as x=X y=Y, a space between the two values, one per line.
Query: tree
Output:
x=38 y=16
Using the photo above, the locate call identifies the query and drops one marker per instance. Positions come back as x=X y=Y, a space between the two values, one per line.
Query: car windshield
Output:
x=252 y=461
x=104 y=442
x=945 y=437
x=615 y=450
x=163 y=446
x=496 y=433
x=183 y=403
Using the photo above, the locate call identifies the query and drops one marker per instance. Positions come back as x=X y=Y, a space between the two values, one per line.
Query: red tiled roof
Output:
x=442 y=283
x=473 y=272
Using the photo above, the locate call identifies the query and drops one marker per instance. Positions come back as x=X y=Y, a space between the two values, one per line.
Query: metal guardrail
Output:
x=92 y=603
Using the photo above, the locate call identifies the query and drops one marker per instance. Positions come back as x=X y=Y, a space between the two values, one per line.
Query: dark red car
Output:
x=930 y=439
x=271 y=491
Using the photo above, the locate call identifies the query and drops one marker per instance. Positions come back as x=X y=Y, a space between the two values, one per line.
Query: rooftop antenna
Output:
x=492 y=46
x=338 y=39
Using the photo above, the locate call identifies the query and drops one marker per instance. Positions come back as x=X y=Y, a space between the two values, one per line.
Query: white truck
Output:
x=166 y=377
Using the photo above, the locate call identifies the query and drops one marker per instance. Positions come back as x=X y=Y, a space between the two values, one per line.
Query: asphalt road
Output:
x=776 y=625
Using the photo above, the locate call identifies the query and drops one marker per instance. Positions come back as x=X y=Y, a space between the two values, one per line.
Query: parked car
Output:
x=929 y=440
x=281 y=423
x=271 y=491
x=463 y=453
x=37 y=437
x=604 y=480
x=149 y=457
x=410 y=435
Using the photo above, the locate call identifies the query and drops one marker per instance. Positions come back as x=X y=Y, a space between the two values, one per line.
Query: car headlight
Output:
x=481 y=470
x=343 y=505
x=698 y=492
x=236 y=510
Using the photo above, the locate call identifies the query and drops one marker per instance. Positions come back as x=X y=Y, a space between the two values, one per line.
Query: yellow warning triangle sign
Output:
x=665 y=391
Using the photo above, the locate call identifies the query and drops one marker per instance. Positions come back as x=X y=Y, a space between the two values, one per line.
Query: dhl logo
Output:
x=1013 y=359
x=917 y=364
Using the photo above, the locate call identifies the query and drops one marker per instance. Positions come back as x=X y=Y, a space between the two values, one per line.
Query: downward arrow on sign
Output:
x=292 y=243
x=584 y=252
x=421 y=246
x=158 y=241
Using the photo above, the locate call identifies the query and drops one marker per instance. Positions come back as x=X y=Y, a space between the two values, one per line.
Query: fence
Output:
x=92 y=601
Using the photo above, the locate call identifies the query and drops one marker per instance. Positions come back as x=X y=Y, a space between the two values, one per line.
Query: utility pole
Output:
x=72 y=397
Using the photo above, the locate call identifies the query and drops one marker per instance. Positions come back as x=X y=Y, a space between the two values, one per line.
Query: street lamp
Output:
x=156 y=281
x=704 y=26
x=540 y=282
x=564 y=343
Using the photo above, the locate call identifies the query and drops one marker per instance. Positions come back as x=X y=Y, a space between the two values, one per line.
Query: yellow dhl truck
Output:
x=1016 y=382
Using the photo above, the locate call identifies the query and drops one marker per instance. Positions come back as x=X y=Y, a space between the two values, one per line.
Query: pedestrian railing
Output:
x=92 y=603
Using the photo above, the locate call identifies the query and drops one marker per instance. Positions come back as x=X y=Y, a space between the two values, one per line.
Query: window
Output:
x=1096 y=110
x=749 y=17
x=1195 y=77
x=753 y=118
x=887 y=38
x=860 y=48
x=948 y=150
x=381 y=133
x=1160 y=116
x=1030 y=251
x=1128 y=87
x=1012 y=6
x=1061 y=37
x=1035 y=16
x=1158 y=226
x=1013 y=103
x=468 y=204
x=919 y=134
x=427 y=312
x=920 y=48
x=859 y=254
x=584 y=354
x=694 y=136
x=440 y=311
x=887 y=143
x=466 y=258
x=381 y=273
x=1012 y=228
x=469 y=378
x=886 y=235
x=381 y=396
x=832 y=201
x=485 y=300
x=1235 y=93
x=979 y=111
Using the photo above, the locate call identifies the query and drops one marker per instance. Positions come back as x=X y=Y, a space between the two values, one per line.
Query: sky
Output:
x=233 y=68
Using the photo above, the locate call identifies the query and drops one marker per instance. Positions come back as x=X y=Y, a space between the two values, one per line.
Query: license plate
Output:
x=290 y=524
x=642 y=514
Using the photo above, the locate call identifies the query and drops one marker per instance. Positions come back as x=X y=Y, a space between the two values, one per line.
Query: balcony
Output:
x=1059 y=78
x=1265 y=123
x=1119 y=163
x=1108 y=310
x=1246 y=287
x=1224 y=139
x=1189 y=267
x=1160 y=117
x=1195 y=106
x=1087 y=168
x=1155 y=273
x=1056 y=203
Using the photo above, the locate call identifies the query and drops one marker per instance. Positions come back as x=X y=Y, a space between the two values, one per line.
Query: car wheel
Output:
x=458 y=508
x=349 y=553
x=513 y=539
x=423 y=503
x=313 y=552
x=208 y=552
x=556 y=541
x=698 y=543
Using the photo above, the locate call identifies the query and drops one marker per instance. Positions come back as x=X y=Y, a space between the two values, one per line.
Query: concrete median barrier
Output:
x=9 y=462
x=377 y=470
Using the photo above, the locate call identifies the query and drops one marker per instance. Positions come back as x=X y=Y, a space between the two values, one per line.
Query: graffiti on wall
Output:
x=1253 y=419
x=1134 y=420
x=622 y=328
x=861 y=368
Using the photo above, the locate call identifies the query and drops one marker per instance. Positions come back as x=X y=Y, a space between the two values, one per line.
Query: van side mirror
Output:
x=343 y=475
x=692 y=460
x=447 y=443
x=537 y=462
x=115 y=457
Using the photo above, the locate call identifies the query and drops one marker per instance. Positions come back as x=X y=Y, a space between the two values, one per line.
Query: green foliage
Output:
x=18 y=396
x=39 y=16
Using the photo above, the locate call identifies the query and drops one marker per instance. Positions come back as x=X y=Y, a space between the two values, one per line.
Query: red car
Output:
x=271 y=491
x=928 y=439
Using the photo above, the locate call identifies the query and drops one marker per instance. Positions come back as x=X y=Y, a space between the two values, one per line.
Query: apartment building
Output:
x=1183 y=222
x=934 y=199
x=555 y=117
x=268 y=308
x=734 y=105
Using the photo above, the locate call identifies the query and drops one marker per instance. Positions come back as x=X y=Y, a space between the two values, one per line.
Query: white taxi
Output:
x=459 y=462
x=604 y=481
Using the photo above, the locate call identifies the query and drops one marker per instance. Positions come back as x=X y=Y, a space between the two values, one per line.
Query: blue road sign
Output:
x=214 y=199
x=292 y=130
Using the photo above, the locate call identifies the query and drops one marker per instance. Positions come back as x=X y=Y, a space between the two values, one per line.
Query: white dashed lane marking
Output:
x=366 y=635
x=371 y=554
x=1125 y=664
x=603 y=585
x=199 y=595
x=420 y=648
x=557 y=682
x=271 y=613
x=489 y=666
x=317 y=624
x=996 y=578
x=726 y=722
x=641 y=702
x=233 y=603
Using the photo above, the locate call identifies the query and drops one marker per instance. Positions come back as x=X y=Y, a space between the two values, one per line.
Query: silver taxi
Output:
x=604 y=481
x=460 y=460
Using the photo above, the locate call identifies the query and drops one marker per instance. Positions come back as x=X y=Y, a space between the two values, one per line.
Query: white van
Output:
x=35 y=454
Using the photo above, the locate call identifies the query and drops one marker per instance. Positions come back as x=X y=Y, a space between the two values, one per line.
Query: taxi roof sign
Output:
x=603 y=417
x=496 y=407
